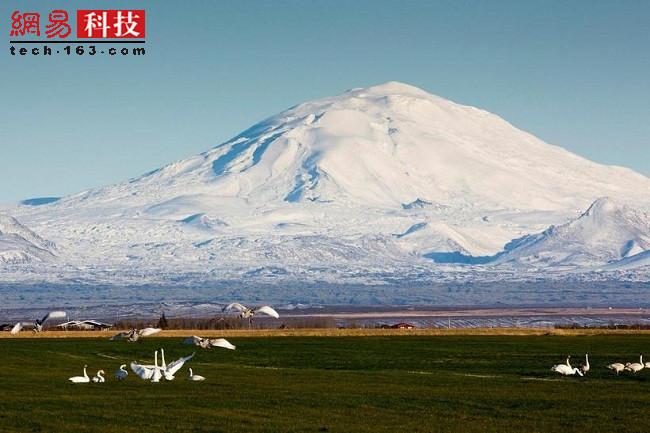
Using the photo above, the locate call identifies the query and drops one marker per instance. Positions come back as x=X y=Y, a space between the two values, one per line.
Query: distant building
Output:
x=85 y=325
x=403 y=325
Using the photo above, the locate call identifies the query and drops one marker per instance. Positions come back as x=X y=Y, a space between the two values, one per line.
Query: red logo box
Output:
x=112 y=23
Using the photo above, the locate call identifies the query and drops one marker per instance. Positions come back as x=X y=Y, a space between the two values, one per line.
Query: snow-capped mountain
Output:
x=387 y=181
x=18 y=244
x=385 y=146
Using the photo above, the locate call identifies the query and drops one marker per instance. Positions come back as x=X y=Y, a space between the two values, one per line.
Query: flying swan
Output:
x=134 y=334
x=207 y=343
x=249 y=313
x=37 y=325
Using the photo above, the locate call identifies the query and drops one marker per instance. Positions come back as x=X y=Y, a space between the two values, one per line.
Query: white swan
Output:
x=121 y=373
x=223 y=343
x=194 y=377
x=51 y=315
x=146 y=332
x=142 y=371
x=17 y=328
x=584 y=367
x=208 y=343
x=121 y=335
x=171 y=369
x=146 y=372
x=617 y=367
x=566 y=369
x=635 y=367
x=249 y=313
x=38 y=324
x=80 y=379
x=134 y=334
x=99 y=378
x=157 y=375
x=157 y=372
x=163 y=367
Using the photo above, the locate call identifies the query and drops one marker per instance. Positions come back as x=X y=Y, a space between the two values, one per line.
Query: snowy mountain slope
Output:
x=377 y=180
x=637 y=261
x=606 y=233
x=18 y=244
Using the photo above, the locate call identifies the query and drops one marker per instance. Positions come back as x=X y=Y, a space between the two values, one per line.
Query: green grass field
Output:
x=335 y=384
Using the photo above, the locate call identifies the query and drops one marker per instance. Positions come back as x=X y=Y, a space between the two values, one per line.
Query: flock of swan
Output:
x=154 y=372
x=567 y=370
x=634 y=367
x=135 y=334
x=244 y=313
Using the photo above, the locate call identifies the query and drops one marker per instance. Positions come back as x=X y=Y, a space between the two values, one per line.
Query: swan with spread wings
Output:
x=135 y=334
x=248 y=313
x=208 y=343
x=37 y=325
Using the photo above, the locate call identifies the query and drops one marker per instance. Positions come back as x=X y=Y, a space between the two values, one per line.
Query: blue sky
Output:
x=576 y=74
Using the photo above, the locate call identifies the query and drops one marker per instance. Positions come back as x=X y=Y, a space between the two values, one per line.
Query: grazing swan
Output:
x=635 y=367
x=171 y=369
x=80 y=379
x=38 y=323
x=207 y=343
x=584 y=367
x=121 y=373
x=99 y=378
x=617 y=367
x=566 y=369
x=134 y=334
x=248 y=313
x=194 y=377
